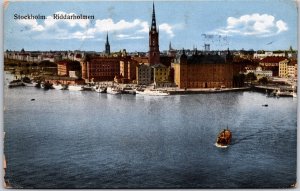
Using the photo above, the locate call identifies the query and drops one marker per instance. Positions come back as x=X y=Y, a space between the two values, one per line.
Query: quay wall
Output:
x=206 y=91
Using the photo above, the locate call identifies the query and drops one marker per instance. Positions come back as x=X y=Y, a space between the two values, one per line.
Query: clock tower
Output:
x=153 y=41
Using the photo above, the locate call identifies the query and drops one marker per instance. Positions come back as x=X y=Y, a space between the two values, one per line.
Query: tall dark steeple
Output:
x=153 y=24
x=107 y=46
x=153 y=41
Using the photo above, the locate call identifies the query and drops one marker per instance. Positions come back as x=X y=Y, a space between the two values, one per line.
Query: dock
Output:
x=206 y=90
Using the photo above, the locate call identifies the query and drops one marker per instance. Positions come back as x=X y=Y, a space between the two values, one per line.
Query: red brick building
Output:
x=62 y=68
x=271 y=63
x=106 y=68
x=128 y=69
x=100 y=68
x=204 y=71
x=65 y=66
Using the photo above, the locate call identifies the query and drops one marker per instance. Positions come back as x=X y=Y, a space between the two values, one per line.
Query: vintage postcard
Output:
x=150 y=94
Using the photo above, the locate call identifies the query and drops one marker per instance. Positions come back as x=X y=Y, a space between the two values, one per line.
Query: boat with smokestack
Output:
x=224 y=138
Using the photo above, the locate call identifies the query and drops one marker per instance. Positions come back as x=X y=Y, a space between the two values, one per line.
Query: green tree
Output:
x=239 y=80
x=250 y=77
x=263 y=80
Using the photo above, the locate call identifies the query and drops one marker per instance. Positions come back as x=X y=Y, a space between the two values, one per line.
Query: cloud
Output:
x=253 y=25
x=282 y=26
x=81 y=29
x=125 y=37
x=32 y=24
x=167 y=29
x=109 y=25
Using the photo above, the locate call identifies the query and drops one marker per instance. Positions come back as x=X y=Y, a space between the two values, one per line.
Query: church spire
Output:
x=153 y=25
x=107 y=38
x=154 y=41
x=107 y=46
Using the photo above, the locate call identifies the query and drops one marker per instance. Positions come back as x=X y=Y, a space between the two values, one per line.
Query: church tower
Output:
x=153 y=41
x=107 y=46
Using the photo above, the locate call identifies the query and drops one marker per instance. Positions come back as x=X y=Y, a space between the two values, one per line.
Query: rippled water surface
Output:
x=69 y=139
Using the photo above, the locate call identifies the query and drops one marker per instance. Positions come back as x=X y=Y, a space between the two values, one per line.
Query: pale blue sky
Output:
x=237 y=24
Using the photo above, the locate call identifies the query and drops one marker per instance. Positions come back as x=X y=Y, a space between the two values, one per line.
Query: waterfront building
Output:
x=128 y=69
x=161 y=75
x=140 y=59
x=259 y=72
x=153 y=41
x=295 y=63
x=203 y=71
x=143 y=74
x=292 y=69
x=64 y=80
x=100 y=68
x=62 y=68
x=264 y=54
x=69 y=68
x=283 y=68
x=271 y=63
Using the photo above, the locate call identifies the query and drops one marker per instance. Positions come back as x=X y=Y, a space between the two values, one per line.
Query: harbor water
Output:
x=67 y=139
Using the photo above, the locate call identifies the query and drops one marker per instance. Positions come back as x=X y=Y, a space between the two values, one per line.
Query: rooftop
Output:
x=272 y=59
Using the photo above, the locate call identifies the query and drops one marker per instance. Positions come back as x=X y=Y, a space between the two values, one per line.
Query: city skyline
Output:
x=240 y=25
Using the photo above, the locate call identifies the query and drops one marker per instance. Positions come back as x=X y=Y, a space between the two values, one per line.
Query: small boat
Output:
x=75 y=88
x=87 y=88
x=100 y=89
x=284 y=93
x=15 y=83
x=265 y=105
x=31 y=84
x=113 y=90
x=153 y=92
x=46 y=85
x=224 y=138
x=28 y=82
x=60 y=86
x=128 y=91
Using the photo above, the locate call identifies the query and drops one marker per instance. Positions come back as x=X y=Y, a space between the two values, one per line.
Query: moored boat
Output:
x=113 y=90
x=153 y=92
x=128 y=91
x=60 y=86
x=31 y=84
x=280 y=93
x=224 y=138
x=75 y=88
x=46 y=85
x=28 y=82
x=87 y=88
x=100 y=89
x=15 y=83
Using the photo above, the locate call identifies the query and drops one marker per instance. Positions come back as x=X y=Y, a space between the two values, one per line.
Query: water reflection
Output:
x=70 y=139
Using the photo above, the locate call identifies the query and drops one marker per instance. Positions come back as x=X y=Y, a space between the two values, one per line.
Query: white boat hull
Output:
x=58 y=87
x=221 y=146
x=33 y=84
x=75 y=88
x=113 y=91
x=153 y=92
x=100 y=90
x=15 y=84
